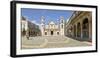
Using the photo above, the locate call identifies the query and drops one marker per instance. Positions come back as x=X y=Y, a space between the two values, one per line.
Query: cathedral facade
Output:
x=52 y=28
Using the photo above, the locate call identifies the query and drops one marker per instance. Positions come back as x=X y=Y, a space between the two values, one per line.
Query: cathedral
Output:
x=52 y=28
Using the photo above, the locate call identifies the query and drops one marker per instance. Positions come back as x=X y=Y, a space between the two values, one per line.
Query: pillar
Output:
x=81 y=29
x=90 y=29
x=76 y=30
x=73 y=30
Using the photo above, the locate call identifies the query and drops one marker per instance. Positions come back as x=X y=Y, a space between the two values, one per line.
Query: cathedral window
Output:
x=62 y=26
x=62 y=21
x=51 y=25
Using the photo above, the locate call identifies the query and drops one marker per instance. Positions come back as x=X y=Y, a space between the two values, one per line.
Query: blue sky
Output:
x=34 y=15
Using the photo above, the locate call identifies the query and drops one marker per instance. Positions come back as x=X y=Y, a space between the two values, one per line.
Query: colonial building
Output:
x=24 y=26
x=52 y=28
x=28 y=28
x=79 y=25
x=33 y=29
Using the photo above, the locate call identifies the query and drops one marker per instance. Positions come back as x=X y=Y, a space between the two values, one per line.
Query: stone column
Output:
x=68 y=31
x=73 y=30
x=76 y=30
x=90 y=29
x=81 y=30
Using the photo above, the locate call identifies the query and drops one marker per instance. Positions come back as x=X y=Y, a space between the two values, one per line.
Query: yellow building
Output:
x=79 y=25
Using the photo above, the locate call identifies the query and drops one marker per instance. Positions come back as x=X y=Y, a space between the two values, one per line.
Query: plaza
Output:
x=72 y=31
x=51 y=42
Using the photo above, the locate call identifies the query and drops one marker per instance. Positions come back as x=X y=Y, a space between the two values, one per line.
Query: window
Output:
x=57 y=33
x=62 y=21
x=51 y=25
x=62 y=26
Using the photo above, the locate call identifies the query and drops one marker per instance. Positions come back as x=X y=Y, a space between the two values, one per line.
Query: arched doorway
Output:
x=85 y=28
x=74 y=31
x=45 y=33
x=71 y=31
x=23 y=32
x=51 y=32
x=78 y=30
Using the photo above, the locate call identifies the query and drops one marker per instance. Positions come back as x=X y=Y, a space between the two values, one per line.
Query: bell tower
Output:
x=42 y=25
x=61 y=25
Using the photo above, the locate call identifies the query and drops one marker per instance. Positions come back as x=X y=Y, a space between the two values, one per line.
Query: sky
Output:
x=34 y=15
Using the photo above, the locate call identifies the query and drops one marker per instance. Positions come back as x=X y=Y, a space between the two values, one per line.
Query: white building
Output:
x=24 y=26
x=52 y=29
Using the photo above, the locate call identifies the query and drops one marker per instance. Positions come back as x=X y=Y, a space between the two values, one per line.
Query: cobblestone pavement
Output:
x=51 y=42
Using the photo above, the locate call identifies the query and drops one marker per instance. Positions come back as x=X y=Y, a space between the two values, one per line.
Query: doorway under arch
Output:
x=78 y=30
x=85 y=28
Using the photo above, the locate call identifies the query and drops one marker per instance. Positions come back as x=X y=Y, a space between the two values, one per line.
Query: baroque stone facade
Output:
x=79 y=25
x=52 y=29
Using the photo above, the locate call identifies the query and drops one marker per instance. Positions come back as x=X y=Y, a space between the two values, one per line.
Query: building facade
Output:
x=29 y=29
x=33 y=29
x=79 y=26
x=52 y=29
x=24 y=26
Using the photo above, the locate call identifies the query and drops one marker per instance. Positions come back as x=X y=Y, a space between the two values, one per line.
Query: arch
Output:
x=71 y=31
x=85 y=28
x=45 y=33
x=61 y=26
x=78 y=29
x=74 y=30
x=57 y=33
x=52 y=32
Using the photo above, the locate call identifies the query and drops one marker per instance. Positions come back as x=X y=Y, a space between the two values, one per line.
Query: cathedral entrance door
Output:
x=51 y=32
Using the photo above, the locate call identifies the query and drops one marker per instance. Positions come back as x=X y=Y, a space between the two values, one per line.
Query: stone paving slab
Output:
x=51 y=42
